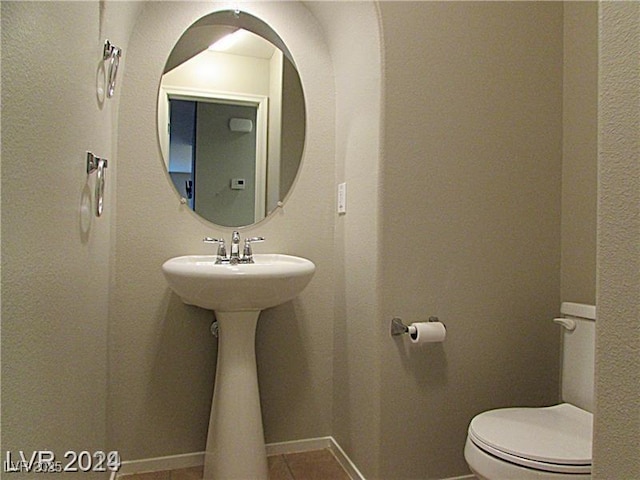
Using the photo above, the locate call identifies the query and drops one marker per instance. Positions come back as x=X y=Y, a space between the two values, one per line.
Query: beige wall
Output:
x=55 y=253
x=354 y=41
x=471 y=180
x=617 y=419
x=579 y=152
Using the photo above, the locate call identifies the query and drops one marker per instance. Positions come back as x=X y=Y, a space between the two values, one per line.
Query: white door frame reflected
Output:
x=260 y=102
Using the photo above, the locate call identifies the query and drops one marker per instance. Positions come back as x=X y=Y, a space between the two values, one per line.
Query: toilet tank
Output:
x=578 y=355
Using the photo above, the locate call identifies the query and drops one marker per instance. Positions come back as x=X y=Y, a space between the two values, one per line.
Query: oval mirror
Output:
x=231 y=118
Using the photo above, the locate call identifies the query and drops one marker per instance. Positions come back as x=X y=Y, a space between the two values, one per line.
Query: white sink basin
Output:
x=272 y=280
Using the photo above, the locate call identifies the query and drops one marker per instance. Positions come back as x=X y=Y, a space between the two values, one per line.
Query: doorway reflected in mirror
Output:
x=220 y=79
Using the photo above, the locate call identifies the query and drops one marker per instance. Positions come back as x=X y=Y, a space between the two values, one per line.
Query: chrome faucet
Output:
x=234 y=258
x=221 y=255
x=247 y=254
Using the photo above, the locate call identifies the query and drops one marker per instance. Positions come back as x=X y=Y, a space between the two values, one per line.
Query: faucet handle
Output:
x=222 y=249
x=247 y=254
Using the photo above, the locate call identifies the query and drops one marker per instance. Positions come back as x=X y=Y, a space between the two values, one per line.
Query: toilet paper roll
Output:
x=427 y=332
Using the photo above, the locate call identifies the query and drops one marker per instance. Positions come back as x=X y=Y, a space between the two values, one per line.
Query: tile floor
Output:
x=314 y=465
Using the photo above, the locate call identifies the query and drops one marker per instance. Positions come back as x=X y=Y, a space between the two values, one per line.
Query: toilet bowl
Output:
x=548 y=443
x=531 y=443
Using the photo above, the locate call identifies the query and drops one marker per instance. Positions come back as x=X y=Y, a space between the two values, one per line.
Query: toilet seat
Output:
x=553 y=439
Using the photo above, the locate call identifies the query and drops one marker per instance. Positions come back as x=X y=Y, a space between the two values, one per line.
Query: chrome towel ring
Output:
x=113 y=54
x=97 y=164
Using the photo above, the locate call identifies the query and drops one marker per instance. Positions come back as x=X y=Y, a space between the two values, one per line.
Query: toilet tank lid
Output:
x=559 y=435
x=579 y=310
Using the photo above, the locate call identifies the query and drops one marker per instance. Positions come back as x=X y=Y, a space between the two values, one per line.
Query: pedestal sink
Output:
x=237 y=293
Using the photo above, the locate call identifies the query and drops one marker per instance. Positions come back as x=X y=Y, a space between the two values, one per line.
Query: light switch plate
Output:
x=342 y=198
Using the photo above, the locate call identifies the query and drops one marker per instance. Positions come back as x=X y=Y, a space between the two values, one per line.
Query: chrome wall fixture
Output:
x=97 y=164
x=399 y=328
x=112 y=54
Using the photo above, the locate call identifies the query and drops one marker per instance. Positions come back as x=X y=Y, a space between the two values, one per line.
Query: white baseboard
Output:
x=158 y=464
x=174 y=462
x=345 y=461
x=297 y=446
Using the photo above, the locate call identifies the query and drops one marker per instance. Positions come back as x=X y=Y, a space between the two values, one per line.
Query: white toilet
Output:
x=549 y=443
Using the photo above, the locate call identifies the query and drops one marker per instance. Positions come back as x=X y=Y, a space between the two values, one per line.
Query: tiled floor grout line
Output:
x=286 y=463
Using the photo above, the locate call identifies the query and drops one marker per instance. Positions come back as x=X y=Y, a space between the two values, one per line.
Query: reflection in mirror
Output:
x=231 y=118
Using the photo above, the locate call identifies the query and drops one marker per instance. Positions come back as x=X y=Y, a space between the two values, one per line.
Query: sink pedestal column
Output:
x=235 y=441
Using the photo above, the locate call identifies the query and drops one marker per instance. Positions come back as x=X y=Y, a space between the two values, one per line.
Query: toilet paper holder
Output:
x=399 y=328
